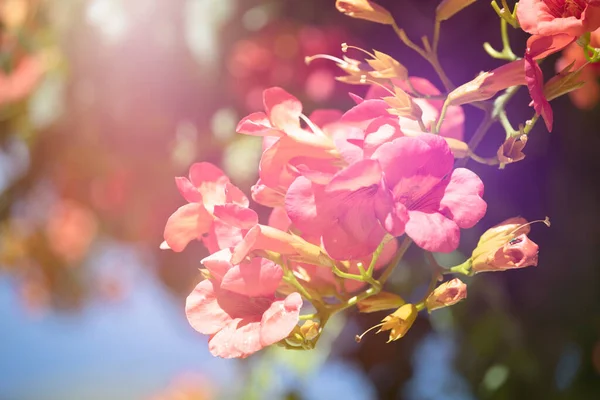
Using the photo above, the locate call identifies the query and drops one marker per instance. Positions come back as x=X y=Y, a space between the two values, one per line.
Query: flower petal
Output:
x=257 y=124
x=357 y=176
x=282 y=108
x=218 y=263
x=203 y=310
x=189 y=222
x=433 y=231
x=402 y=157
x=258 y=278
x=462 y=200
x=232 y=214
x=189 y=192
x=280 y=319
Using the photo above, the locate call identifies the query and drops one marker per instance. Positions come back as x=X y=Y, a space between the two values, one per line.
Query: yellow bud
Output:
x=365 y=9
x=399 y=322
x=379 y=302
x=448 y=8
x=447 y=294
x=402 y=105
x=386 y=67
x=310 y=330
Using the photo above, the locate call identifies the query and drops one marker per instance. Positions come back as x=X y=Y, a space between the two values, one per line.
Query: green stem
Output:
x=399 y=254
x=464 y=268
x=440 y=121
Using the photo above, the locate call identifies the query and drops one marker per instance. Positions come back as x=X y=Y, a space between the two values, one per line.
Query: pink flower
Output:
x=407 y=184
x=348 y=212
x=209 y=194
x=552 y=17
x=238 y=308
x=535 y=85
x=438 y=200
x=291 y=147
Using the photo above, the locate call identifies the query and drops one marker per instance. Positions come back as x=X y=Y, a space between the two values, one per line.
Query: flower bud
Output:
x=448 y=8
x=399 y=322
x=564 y=82
x=403 y=105
x=512 y=150
x=365 y=9
x=310 y=330
x=505 y=246
x=386 y=67
x=487 y=84
x=447 y=294
x=379 y=302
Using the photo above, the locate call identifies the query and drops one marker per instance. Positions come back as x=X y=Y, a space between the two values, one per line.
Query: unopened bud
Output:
x=402 y=105
x=386 y=67
x=399 y=322
x=512 y=150
x=564 y=82
x=447 y=294
x=310 y=330
x=506 y=246
x=379 y=302
x=487 y=84
x=448 y=8
x=365 y=9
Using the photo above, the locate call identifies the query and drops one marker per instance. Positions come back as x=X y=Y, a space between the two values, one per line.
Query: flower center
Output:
x=566 y=8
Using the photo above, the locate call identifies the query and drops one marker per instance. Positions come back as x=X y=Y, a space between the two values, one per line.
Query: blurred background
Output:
x=104 y=102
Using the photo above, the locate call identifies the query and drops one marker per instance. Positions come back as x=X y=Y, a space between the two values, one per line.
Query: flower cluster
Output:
x=351 y=191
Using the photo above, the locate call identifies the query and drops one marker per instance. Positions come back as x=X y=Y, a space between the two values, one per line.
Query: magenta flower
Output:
x=238 y=308
x=349 y=212
x=210 y=194
x=439 y=200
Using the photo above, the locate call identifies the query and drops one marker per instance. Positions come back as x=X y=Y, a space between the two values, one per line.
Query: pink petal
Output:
x=280 y=319
x=433 y=231
x=462 y=200
x=234 y=195
x=218 y=263
x=402 y=157
x=222 y=236
x=189 y=222
x=535 y=84
x=267 y=196
x=232 y=214
x=539 y=47
x=393 y=218
x=279 y=219
x=357 y=176
x=203 y=310
x=380 y=130
x=357 y=99
x=366 y=111
x=258 y=278
x=257 y=124
x=325 y=117
x=282 y=108
x=206 y=172
x=262 y=237
x=222 y=345
x=246 y=338
x=349 y=241
x=189 y=192
x=301 y=206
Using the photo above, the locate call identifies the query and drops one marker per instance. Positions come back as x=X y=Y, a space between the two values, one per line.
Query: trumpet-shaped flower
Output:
x=209 y=193
x=552 y=17
x=238 y=308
